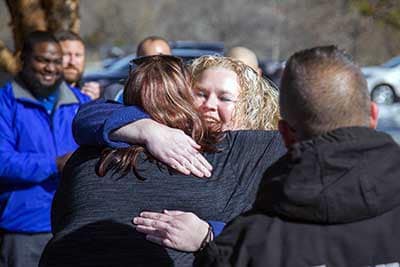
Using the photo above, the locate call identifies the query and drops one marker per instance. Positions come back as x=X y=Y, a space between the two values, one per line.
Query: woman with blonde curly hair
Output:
x=255 y=99
x=224 y=90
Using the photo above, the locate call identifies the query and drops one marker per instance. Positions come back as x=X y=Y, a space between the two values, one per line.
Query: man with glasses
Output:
x=36 y=112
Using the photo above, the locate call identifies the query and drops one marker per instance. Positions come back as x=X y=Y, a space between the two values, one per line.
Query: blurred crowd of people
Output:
x=201 y=164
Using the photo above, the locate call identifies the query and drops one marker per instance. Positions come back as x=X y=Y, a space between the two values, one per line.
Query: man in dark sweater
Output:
x=333 y=199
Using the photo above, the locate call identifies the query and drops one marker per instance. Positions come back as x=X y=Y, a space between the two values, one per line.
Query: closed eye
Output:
x=200 y=93
x=227 y=99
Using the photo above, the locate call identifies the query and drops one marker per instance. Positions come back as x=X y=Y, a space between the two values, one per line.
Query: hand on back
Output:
x=171 y=146
x=174 y=229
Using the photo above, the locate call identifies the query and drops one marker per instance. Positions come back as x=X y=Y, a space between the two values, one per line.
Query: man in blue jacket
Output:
x=36 y=112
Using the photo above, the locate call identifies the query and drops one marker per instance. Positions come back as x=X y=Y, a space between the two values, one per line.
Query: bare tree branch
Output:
x=62 y=15
x=26 y=16
x=8 y=61
x=33 y=15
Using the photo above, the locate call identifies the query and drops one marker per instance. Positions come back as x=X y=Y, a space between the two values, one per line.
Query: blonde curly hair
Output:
x=257 y=107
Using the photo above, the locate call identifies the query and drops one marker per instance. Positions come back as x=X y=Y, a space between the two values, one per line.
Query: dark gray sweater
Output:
x=92 y=216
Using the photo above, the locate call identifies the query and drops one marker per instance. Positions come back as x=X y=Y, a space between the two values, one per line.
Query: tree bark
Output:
x=26 y=16
x=62 y=15
x=32 y=15
x=8 y=61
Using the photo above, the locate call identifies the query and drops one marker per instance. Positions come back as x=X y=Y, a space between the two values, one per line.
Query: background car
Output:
x=273 y=69
x=389 y=120
x=384 y=81
x=118 y=69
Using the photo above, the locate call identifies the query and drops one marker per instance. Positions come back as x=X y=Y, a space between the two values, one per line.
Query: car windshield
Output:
x=394 y=62
x=122 y=65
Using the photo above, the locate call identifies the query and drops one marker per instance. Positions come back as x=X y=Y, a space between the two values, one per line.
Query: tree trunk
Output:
x=8 y=61
x=62 y=15
x=32 y=15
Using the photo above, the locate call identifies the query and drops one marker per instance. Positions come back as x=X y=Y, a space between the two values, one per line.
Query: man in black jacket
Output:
x=333 y=199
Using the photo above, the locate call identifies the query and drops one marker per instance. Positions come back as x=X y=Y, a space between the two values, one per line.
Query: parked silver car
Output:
x=384 y=81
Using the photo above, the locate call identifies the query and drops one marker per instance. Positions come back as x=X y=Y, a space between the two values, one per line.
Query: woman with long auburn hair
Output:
x=162 y=87
x=92 y=213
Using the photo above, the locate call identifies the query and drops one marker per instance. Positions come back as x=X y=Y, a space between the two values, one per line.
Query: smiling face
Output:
x=42 y=71
x=216 y=92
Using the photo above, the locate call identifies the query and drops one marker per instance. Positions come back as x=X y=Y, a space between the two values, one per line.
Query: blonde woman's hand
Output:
x=169 y=145
x=174 y=229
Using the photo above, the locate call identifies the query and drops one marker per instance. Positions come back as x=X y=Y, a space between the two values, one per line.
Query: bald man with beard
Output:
x=73 y=50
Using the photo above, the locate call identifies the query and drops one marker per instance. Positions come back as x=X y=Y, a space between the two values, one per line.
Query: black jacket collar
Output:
x=346 y=175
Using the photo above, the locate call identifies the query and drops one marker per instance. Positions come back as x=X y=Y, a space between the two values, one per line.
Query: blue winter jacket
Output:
x=30 y=142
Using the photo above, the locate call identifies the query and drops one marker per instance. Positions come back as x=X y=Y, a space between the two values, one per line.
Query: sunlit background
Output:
x=274 y=29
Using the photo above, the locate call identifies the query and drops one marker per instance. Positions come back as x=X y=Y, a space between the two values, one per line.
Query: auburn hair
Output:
x=161 y=86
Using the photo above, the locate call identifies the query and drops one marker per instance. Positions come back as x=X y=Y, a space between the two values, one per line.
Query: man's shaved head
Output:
x=323 y=89
x=245 y=55
x=153 y=45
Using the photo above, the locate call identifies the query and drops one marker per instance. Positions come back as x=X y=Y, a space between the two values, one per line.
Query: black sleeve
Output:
x=252 y=153
x=238 y=245
x=216 y=255
x=78 y=182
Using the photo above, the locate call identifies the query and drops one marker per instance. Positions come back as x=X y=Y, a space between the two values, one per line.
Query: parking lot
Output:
x=389 y=120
